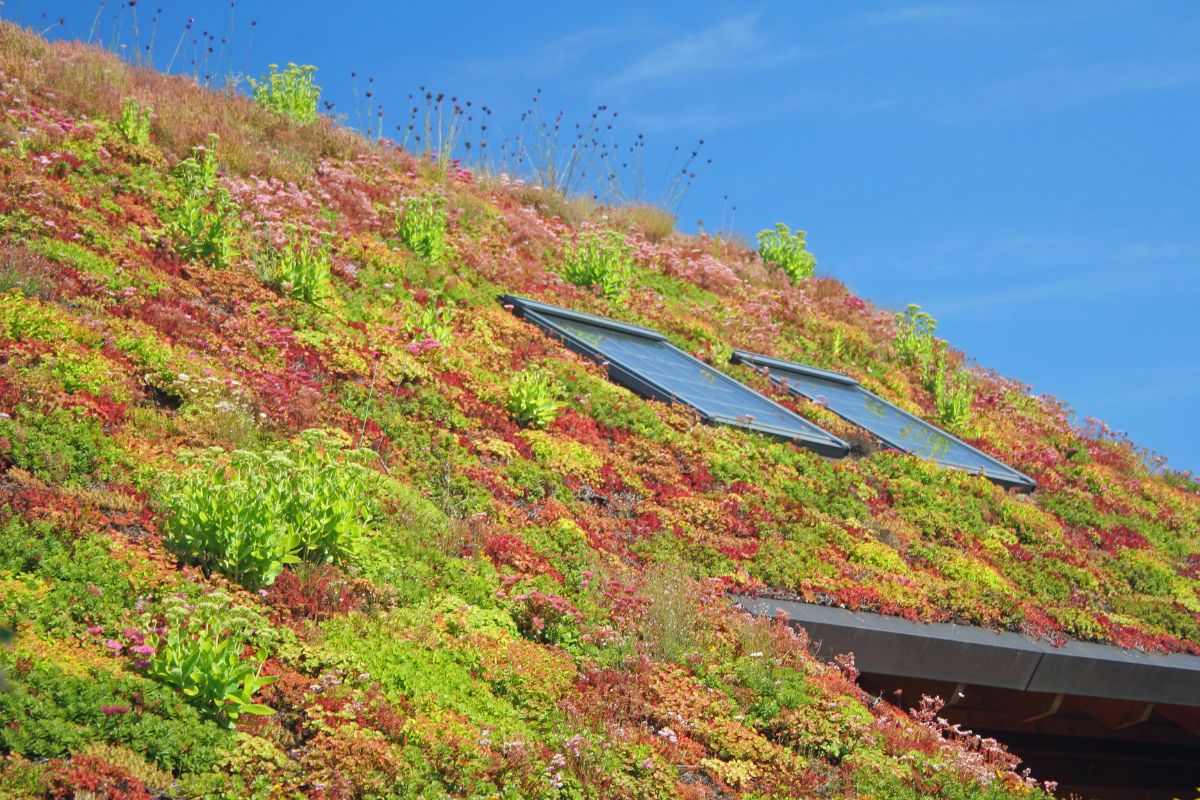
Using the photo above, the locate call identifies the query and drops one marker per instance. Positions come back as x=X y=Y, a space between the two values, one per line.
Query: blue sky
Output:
x=1027 y=172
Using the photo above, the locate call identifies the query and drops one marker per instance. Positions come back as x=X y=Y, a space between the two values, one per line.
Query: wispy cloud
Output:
x=571 y=49
x=722 y=113
x=733 y=45
x=917 y=13
x=943 y=17
x=1065 y=87
x=1052 y=271
x=563 y=54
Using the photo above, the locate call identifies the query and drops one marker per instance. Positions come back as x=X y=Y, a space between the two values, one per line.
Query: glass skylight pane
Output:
x=645 y=362
x=896 y=427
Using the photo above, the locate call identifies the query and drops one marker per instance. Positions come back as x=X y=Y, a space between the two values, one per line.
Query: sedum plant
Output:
x=599 y=260
x=533 y=398
x=198 y=650
x=917 y=346
x=248 y=514
x=134 y=122
x=422 y=227
x=786 y=249
x=204 y=223
x=291 y=91
x=434 y=321
x=952 y=392
x=299 y=269
x=915 y=342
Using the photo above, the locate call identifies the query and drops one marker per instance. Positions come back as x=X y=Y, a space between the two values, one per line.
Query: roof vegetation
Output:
x=291 y=506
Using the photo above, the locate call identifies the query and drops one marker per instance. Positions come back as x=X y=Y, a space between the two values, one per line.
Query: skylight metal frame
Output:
x=995 y=470
x=543 y=314
x=969 y=654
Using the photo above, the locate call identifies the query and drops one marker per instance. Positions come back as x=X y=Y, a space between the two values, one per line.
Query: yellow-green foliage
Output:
x=299 y=268
x=134 y=122
x=24 y=317
x=248 y=514
x=973 y=573
x=533 y=397
x=786 y=250
x=200 y=654
x=563 y=456
x=204 y=222
x=599 y=260
x=292 y=91
x=877 y=555
x=422 y=227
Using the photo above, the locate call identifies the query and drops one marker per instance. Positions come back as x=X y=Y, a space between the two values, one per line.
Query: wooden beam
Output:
x=1050 y=712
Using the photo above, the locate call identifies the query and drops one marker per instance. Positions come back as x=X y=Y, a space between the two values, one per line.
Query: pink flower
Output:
x=142 y=650
x=96 y=630
x=418 y=347
x=114 y=645
x=111 y=710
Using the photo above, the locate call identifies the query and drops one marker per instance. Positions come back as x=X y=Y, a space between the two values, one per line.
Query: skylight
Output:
x=647 y=364
x=897 y=428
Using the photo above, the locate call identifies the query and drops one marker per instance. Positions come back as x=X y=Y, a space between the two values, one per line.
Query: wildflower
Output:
x=142 y=650
x=115 y=646
x=113 y=710
x=574 y=745
x=96 y=630
x=418 y=347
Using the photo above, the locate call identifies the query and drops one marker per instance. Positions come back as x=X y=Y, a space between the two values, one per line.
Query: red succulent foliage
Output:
x=90 y=776
x=316 y=592
x=1120 y=537
x=509 y=550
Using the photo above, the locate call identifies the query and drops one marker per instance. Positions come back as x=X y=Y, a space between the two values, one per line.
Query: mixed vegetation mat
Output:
x=290 y=505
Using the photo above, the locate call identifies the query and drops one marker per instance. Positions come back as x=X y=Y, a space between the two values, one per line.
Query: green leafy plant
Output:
x=62 y=445
x=435 y=321
x=292 y=91
x=204 y=223
x=199 y=652
x=915 y=342
x=533 y=398
x=299 y=269
x=134 y=123
x=81 y=258
x=54 y=709
x=24 y=318
x=786 y=249
x=917 y=346
x=952 y=391
x=422 y=226
x=600 y=260
x=248 y=514
x=75 y=372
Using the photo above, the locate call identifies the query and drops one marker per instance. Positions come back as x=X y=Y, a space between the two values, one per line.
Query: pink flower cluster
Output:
x=343 y=191
x=419 y=347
